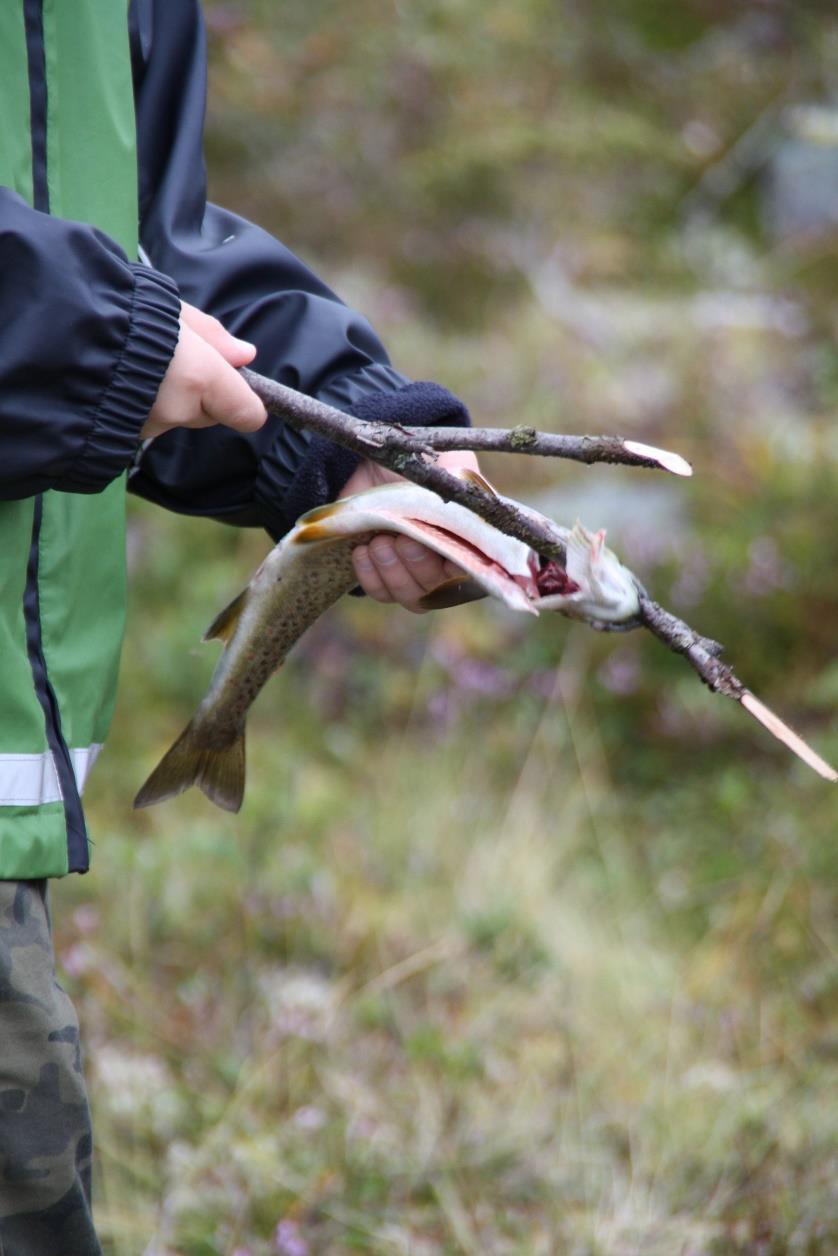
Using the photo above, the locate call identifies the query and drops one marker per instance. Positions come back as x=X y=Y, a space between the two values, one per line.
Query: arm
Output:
x=95 y=353
x=85 y=340
x=306 y=337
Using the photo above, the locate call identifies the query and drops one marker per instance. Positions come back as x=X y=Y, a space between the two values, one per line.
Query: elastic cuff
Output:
x=326 y=467
x=152 y=338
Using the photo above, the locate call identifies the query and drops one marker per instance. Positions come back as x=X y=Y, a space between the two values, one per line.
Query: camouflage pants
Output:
x=45 y=1137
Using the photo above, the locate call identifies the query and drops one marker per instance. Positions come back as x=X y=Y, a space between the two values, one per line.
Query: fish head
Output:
x=594 y=585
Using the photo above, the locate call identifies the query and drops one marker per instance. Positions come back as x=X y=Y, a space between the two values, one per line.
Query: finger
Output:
x=393 y=573
x=227 y=399
x=199 y=389
x=427 y=568
x=156 y=427
x=367 y=475
x=458 y=460
x=234 y=351
x=368 y=576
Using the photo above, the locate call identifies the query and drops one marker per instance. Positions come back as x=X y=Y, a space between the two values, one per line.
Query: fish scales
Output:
x=270 y=625
x=311 y=568
x=293 y=587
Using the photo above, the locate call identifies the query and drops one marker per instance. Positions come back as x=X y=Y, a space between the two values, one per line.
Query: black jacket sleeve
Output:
x=306 y=337
x=85 y=339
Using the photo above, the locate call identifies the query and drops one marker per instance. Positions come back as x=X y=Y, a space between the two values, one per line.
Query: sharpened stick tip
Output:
x=787 y=735
x=663 y=457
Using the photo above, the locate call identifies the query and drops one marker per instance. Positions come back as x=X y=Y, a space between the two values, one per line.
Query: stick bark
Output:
x=409 y=452
x=398 y=449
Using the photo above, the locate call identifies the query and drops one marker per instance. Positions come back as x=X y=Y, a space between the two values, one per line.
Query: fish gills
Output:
x=217 y=770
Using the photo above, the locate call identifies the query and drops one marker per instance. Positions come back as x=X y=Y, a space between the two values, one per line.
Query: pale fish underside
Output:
x=303 y=576
x=311 y=568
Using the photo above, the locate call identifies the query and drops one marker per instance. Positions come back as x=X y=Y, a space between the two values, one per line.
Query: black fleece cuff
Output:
x=151 y=341
x=326 y=466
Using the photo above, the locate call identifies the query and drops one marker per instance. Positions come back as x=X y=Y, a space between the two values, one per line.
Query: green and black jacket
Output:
x=101 y=121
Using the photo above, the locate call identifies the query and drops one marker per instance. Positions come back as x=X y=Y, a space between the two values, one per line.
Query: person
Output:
x=116 y=366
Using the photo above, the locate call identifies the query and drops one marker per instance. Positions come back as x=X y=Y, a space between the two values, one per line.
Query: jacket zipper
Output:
x=78 y=856
x=33 y=13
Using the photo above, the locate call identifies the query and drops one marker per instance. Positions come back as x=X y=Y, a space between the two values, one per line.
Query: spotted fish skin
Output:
x=311 y=568
x=305 y=574
x=283 y=600
x=291 y=589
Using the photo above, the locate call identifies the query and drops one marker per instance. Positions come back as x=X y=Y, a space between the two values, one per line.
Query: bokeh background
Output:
x=523 y=942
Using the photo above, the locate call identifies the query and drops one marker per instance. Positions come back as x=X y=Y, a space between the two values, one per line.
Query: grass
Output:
x=522 y=943
x=457 y=992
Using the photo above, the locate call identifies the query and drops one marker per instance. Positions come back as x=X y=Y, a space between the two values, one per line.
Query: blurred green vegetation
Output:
x=523 y=942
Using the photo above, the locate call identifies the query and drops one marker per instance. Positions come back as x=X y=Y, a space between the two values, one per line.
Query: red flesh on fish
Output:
x=469 y=552
x=551 y=578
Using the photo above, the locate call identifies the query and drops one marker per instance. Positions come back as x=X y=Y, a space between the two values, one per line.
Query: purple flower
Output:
x=692 y=580
x=289 y=1240
x=766 y=569
x=309 y=1118
x=86 y=919
x=621 y=673
x=77 y=960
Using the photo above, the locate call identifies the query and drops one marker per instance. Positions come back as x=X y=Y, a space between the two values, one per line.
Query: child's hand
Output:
x=396 y=568
x=202 y=386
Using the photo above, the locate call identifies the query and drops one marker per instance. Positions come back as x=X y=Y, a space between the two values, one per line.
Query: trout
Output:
x=311 y=568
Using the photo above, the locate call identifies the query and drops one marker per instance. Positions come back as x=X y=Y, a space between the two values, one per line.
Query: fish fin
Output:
x=453 y=592
x=478 y=480
x=320 y=512
x=219 y=772
x=310 y=532
x=226 y=621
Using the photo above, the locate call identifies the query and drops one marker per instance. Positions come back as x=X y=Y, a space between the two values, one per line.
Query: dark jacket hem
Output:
x=148 y=350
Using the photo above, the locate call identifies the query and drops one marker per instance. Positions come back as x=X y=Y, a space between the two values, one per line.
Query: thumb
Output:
x=236 y=352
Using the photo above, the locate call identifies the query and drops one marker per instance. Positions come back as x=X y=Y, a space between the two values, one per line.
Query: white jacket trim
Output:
x=28 y=780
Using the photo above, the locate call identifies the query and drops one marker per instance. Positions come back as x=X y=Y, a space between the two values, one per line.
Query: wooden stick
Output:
x=410 y=452
x=300 y=410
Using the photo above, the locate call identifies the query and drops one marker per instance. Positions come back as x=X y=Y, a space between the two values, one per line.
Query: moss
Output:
x=522 y=437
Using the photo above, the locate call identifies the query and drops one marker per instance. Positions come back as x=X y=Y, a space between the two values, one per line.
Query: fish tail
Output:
x=218 y=771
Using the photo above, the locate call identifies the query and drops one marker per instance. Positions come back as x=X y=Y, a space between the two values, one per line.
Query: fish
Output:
x=311 y=568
